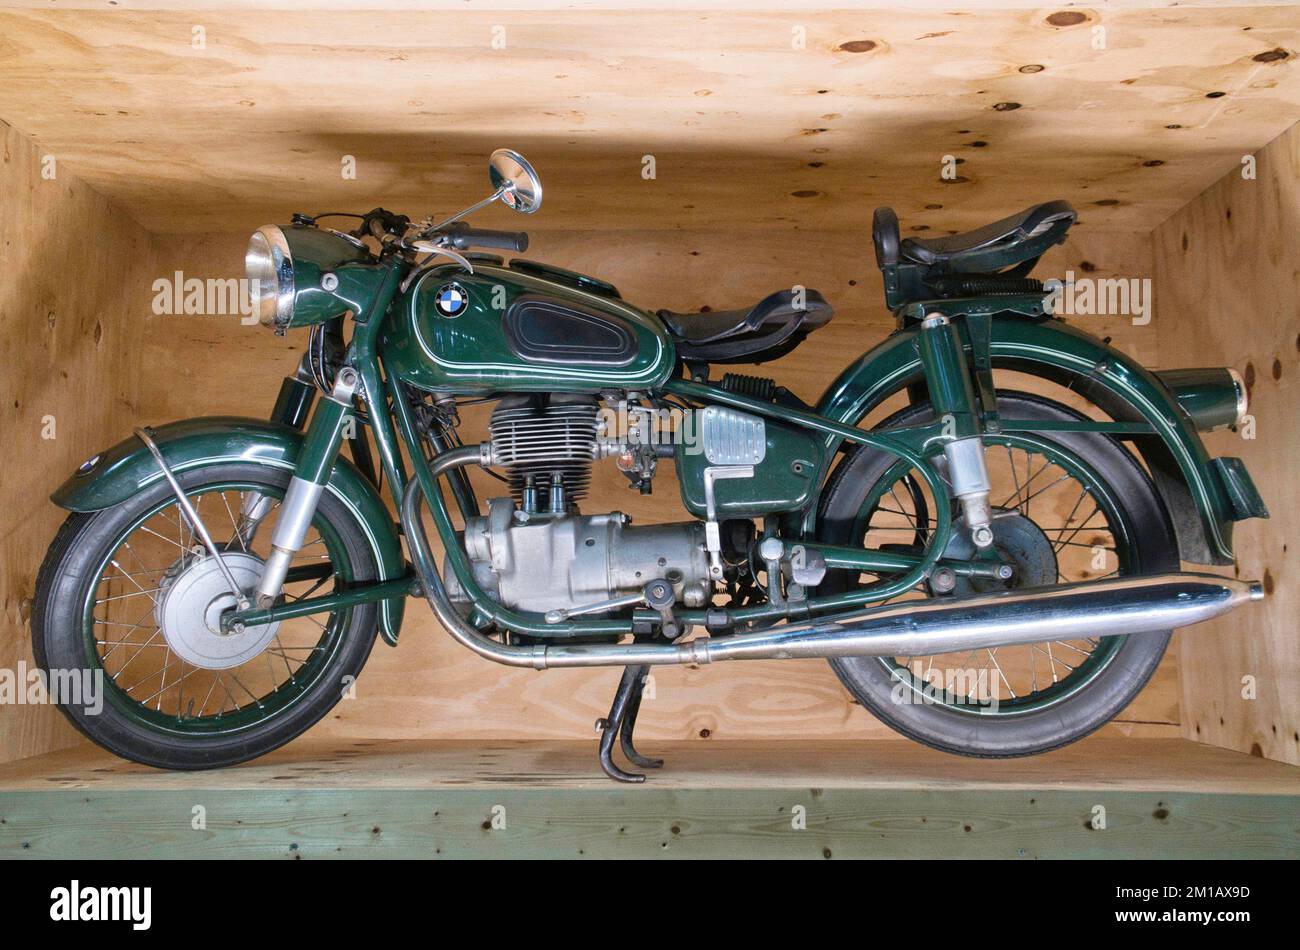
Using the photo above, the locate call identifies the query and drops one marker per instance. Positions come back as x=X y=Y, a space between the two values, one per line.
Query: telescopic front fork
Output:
x=320 y=450
x=953 y=397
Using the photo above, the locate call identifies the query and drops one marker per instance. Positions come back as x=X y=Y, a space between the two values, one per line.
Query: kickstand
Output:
x=620 y=722
x=629 y=723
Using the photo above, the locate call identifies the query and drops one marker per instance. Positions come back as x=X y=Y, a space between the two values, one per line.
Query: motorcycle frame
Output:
x=953 y=369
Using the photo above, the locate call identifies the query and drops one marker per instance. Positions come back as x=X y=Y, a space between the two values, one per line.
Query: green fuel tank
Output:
x=525 y=328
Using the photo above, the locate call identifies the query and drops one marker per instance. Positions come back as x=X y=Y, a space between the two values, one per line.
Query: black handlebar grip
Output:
x=464 y=237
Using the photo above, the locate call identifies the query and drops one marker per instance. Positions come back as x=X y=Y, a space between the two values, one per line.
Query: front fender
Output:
x=127 y=468
x=1188 y=480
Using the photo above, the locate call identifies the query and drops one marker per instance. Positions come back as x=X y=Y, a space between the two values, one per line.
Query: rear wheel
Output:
x=127 y=608
x=1069 y=506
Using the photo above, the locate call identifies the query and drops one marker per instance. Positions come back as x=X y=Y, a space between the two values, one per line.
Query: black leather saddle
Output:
x=989 y=260
x=771 y=328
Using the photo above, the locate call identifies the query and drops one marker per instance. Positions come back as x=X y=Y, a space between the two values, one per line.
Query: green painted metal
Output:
x=948 y=378
x=1062 y=425
x=562 y=275
x=323 y=439
x=835 y=433
x=1054 y=350
x=317 y=252
x=293 y=405
x=349 y=597
x=1244 y=497
x=1209 y=396
x=127 y=468
x=470 y=353
x=868 y=559
x=363 y=356
x=785 y=480
x=650 y=822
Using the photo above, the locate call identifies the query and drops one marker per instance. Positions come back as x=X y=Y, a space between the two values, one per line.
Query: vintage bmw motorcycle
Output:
x=990 y=572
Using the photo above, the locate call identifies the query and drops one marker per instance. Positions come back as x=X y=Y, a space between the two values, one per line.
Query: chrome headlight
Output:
x=268 y=266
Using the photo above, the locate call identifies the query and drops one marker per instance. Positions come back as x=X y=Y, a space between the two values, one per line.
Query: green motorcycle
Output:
x=989 y=571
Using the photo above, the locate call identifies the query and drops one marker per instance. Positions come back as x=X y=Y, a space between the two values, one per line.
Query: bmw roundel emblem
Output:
x=451 y=300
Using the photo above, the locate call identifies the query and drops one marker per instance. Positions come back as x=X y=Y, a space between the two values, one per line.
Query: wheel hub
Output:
x=1016 y=541
x=195 y=595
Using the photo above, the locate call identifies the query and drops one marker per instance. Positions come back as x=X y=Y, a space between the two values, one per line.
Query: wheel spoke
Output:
x=1055 y=485
x=137 y=656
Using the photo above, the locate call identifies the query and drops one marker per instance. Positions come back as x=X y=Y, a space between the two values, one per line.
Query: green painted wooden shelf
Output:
x=373 y=798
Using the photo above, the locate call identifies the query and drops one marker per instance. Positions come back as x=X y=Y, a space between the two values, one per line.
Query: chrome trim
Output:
x=241 y=599
x=506 y=180
x=1121 y=606
x=1243 y=395
x=296 y=513
x=732 y=437
x=282 y=261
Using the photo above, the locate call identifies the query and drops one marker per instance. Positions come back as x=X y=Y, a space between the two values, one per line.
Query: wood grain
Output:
x=1162 y=798
x=1228 y=292
x=649 y=823
x=319 y=762
x=795 y=120
x=71 y=317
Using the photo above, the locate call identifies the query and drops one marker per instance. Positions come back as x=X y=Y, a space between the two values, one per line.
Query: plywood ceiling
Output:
x=746 y=129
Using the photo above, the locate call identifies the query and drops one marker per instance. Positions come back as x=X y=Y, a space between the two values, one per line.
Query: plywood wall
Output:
x=1228 y=291
x=789 y=119
x=70 y=321
x=429 y=686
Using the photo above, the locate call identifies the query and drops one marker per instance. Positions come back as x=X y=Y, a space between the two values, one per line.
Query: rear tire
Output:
x=1000 y=732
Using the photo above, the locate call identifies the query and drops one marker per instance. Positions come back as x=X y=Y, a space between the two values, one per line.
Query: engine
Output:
x=547 y=445
x=533 y=551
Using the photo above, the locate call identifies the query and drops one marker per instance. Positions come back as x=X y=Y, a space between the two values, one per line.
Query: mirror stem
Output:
x=496 y=195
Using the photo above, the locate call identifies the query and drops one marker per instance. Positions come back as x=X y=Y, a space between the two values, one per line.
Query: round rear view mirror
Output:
x=515 y=180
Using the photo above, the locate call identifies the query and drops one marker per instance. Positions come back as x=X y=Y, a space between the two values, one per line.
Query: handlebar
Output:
x=390 y=228
x=462 y=237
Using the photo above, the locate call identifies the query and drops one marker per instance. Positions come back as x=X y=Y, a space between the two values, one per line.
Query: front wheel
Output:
x=1068 y=506
x=126 y=622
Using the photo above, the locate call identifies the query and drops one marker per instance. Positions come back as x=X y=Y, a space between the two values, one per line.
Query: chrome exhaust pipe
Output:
x=1126 y=605
x=1132 y=605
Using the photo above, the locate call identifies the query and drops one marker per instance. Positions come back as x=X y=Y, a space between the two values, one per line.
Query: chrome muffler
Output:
x=1126 y=605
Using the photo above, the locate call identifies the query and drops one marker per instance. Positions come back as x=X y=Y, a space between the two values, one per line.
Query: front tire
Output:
x=1095 y=687
x=101 y=605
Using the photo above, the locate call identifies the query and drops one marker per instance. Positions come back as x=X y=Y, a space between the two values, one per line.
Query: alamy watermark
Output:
x=215 y=296
x=1100 y=296
x=932 y=685
x=33 y=686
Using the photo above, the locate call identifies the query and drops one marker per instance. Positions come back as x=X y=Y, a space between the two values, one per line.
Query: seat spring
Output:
x=974 y=285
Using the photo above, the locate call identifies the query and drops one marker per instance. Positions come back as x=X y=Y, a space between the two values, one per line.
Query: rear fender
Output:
x=127 y=468
x=1189 y=481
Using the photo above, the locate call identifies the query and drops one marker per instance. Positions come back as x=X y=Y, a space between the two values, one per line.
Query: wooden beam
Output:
x=882 y=799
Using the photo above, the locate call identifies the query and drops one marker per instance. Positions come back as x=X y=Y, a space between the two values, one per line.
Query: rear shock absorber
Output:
x=953 y=399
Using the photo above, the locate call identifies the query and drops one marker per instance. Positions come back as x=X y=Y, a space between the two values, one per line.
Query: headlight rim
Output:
x=1243 y=395
x=282 y=262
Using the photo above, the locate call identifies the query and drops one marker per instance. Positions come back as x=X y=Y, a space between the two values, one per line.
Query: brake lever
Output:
x=432 y=249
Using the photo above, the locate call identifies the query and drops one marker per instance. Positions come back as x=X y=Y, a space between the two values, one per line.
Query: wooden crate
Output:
x=148 y=140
